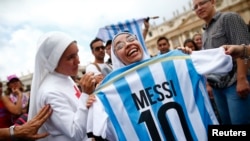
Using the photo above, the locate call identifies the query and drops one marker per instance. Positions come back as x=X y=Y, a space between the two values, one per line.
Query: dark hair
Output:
x=192 y=41
x=109 y=42
x=162 y=38
x=93 y=41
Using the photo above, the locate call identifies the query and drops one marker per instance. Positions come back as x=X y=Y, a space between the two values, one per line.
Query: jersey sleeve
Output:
x=97 y=120
x=212 y=61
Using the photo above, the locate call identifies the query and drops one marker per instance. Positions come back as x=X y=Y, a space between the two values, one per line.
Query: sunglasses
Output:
x=99 y=48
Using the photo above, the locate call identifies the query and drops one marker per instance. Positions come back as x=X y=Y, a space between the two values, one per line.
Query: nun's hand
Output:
x=91 y=100
x=88 y=83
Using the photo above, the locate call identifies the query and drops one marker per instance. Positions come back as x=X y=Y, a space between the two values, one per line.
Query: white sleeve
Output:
x=212 y=61
x=92 y=68
x=67 y=118
x=97 y=119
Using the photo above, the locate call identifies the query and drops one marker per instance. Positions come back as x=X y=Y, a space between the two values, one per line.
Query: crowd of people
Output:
x=206 y=83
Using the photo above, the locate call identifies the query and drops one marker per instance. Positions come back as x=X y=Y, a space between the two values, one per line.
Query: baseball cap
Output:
x=12 y=77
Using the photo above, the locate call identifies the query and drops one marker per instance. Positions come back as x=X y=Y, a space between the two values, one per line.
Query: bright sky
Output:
x=22 y=22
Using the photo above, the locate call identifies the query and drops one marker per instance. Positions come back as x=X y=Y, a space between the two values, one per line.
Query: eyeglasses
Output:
x=130 y=38
x=200 y=4
x=98 y=48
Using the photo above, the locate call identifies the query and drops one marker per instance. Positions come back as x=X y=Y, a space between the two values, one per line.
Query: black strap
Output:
x=97 y=66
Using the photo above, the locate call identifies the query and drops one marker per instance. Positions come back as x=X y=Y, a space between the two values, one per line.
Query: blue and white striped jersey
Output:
x=162 y=98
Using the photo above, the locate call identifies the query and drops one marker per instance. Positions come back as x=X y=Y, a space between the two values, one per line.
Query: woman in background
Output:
x=16 y=100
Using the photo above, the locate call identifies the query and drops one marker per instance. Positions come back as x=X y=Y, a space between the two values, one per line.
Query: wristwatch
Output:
x=245 y=54
x=12 y=134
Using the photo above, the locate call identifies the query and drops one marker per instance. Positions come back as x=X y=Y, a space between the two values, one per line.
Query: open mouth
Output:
x=132 y=51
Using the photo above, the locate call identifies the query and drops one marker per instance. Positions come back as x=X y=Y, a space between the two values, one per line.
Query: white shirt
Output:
x=68 y=119
x=104 y=67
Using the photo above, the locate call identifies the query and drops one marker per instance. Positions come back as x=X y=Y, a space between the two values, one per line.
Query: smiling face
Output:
x=198 y=40
x=127 y=48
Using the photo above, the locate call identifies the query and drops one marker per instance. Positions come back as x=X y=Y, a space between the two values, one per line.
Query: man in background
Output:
x=99 y=67
x=231 y=91
x=163 y=45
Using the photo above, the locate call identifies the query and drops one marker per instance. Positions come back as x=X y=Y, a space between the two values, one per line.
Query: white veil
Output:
x=50 y=49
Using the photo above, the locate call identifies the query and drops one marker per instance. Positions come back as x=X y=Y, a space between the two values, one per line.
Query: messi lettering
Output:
x=146 y=96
